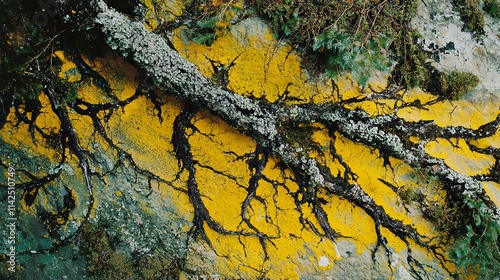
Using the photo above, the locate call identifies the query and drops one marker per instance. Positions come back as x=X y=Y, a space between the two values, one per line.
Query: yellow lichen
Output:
x=259 y=66
x=492 y=141
x=159 y=12
x=466 y=113
x=458 y=156
x=493 y=191
x=69 y=71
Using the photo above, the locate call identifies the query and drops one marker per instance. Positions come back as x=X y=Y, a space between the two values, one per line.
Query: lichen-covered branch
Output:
x=272 y=127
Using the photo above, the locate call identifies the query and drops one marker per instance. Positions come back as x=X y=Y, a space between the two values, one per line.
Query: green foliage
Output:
x=214 y=22
x=71 y=94
x=456 y=84
x=352 y=36
x=346 y=55
x=204 y=33
x=492 y=7
x=477 y=251
x=471 y=15
x=411 y=70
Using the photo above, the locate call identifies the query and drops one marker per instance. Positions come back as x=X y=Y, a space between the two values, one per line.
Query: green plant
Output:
x=408 y=195
x=445 y=216
x=347 y=55
x=204 y=32
x=492 y=7
x=477 y=251
x=352 y=36
x=411 y=69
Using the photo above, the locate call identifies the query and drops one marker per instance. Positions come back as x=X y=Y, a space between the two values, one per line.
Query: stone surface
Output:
x=440 y=26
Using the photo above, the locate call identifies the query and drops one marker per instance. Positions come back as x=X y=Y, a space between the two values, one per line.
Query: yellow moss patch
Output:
x=347 y=87
x=19 y=136
x=380 y=108
x=216 y=189
x=278 y=217
x=47 y=120
x=241 y=256
x=374 y=177
x=218 y=145
x=369 y=167
x=121 y=77
x=139 y=132
x=262 y=67
x=352 y=222
x=393 y=241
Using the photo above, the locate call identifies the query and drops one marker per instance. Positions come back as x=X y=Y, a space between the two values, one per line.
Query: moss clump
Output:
x=102 y=260
x=412 y=69
x=456 y=84
x=492 y=7
x=471 y=15
x=445 y=216
x=105 y=262
x=409 y=195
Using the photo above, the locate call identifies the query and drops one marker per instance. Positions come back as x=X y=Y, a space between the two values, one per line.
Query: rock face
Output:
x=146 y=182
x=443 y=32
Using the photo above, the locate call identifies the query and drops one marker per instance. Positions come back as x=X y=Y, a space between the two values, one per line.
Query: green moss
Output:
x=445 y=216
x=345 y=55
x=492 y=7
x=471 y=15
x=456 y=84
x=104 y=261
x=408 y=195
